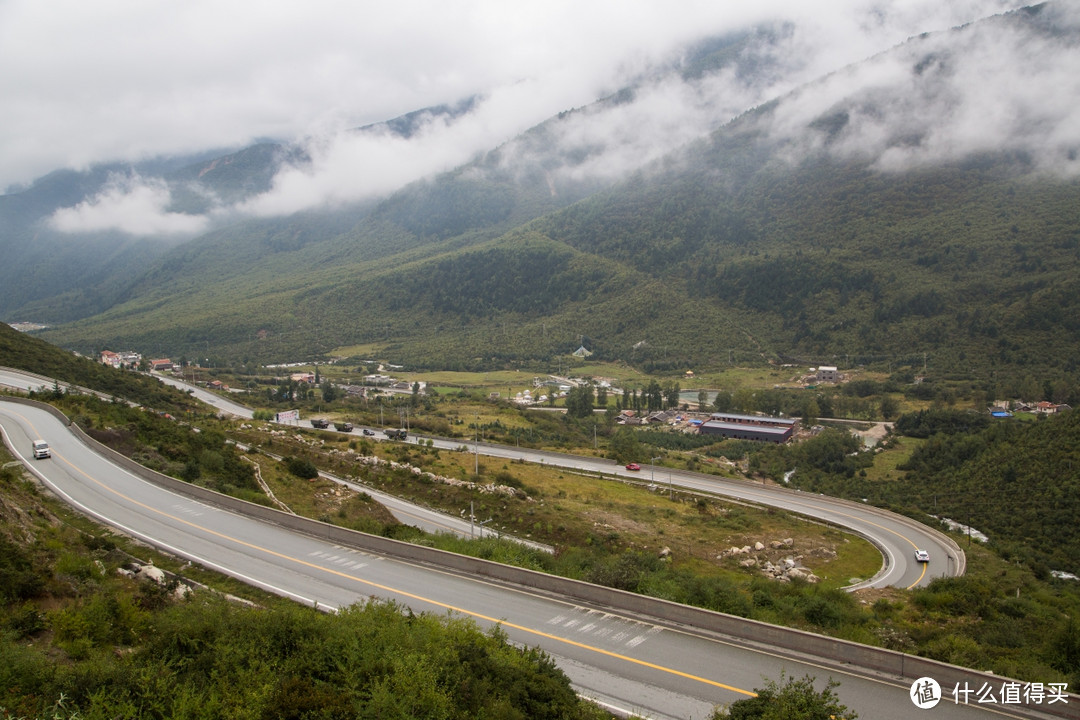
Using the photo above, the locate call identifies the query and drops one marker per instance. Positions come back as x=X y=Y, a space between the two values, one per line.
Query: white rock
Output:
x=152 y=573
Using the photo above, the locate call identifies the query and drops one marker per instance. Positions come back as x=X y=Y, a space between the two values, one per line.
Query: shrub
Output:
x=301 y=468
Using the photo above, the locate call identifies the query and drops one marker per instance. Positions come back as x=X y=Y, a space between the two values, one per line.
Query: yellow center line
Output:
x=413 y=596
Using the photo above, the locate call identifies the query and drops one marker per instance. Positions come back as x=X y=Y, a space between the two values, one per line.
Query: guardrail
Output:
x=565 y=459
x=834 y=652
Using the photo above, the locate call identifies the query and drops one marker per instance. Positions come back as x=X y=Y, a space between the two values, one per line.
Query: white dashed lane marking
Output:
x=614 y=630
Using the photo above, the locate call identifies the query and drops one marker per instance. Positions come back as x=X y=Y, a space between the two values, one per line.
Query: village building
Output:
x=828 y=373
x=741 y=431
x=129 y=358
x=749 y=427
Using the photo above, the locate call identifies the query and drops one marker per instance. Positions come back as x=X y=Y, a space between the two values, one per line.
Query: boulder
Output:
x=149 y=572
x=759 y=546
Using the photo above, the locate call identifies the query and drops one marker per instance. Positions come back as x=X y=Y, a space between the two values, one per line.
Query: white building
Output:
x=828 y=373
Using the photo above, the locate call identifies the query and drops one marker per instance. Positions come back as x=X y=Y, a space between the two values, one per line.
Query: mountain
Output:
x=895 y=211
x=69 y=255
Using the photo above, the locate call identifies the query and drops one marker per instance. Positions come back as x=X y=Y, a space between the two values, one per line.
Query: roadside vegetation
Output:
x=1009 y=614
x=1009 y=618
x=789 y=698
x=80 y=640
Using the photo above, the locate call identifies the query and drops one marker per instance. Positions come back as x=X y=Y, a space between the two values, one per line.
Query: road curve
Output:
x=631 y=664
x=897 y=537
x=426 y=519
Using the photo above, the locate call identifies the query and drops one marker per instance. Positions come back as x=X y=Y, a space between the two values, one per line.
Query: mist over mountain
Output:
x=744 y=196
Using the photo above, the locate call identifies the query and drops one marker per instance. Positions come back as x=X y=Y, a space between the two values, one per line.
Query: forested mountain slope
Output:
x=1016 y=482
x=844 y=220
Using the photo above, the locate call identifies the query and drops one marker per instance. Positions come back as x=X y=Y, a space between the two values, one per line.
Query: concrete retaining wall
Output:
x=818 y=648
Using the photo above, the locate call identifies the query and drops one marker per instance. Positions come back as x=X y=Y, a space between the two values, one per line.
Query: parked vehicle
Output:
x=343 y=426
x=320 y=423
x=41 y=449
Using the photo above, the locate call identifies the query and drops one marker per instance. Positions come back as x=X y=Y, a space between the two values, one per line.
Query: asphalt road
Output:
x=405 y=512
x=627 y=663
x=897 y=537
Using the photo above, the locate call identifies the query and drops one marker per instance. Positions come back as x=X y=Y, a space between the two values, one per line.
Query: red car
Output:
x=633 y=466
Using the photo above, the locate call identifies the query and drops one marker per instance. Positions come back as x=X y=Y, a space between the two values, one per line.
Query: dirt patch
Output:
x=617 y=523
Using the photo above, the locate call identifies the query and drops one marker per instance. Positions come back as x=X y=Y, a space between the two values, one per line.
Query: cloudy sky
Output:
x=106 y=80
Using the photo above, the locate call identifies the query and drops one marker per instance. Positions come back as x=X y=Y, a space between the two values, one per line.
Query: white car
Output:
x=922 y=556
x=41 y=449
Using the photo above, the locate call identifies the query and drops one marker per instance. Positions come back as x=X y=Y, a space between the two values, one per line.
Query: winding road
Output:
x=627 y=663
x=897 y=537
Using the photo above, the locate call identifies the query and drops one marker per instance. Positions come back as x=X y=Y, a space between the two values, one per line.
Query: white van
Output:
x=41 y=449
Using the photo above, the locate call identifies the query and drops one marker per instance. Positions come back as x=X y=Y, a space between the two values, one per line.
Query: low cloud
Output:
x=998 y=86
x=128 y=204
x=1011 y=91
x=350 y=166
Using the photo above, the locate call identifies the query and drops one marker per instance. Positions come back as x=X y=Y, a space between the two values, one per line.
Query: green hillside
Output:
x=977 y=268
x=745 y=246
x=1017 y=482
x=23 y=352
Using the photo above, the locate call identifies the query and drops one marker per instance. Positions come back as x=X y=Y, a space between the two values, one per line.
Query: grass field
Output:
x=569 y=509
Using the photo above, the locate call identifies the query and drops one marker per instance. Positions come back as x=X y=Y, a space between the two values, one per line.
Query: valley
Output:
x=743 y=335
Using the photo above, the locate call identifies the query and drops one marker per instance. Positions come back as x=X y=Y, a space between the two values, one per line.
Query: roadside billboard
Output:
x=287 y=416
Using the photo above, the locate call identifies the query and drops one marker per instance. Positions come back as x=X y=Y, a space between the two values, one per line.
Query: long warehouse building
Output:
x=749 y=427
